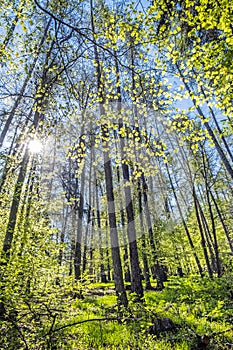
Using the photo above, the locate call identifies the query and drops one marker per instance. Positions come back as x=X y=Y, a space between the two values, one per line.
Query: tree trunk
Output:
x=146 y=271
x=203 y=242
x=62 y=234
x=78 y=251
x=116 y=259
x=26 y=81
x=125 y=255
x=102 y=271
x=222 y=222
x=210 y=131
x=185 y=225
x=218 y=128
x=118 y=277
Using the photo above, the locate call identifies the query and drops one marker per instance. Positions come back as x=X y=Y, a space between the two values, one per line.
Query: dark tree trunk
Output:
x=136 y=280
x=116 y=259
x=20 y=96
x=102 y=271
x=146 y=271
x=62 y=235
x=92 y=249
x=185 y=225
x=203 y=241
x=222 y=222
x=126 y=254
x=117 y=268
x=209 y=129
x=219 y=129
x=208 y=238
x=207 y=188
x=78 y=251
x=85 y=248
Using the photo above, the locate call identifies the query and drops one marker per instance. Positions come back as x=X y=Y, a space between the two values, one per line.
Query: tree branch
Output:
x=77 y=30
x=96 y=319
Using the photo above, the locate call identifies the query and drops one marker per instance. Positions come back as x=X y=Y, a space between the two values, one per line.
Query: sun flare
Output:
x=35 y=146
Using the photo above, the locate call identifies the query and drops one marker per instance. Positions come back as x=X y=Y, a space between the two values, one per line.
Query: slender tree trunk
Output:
x=211 y=242
x=92 y=249
x=210 y=131
x=102 y=272
x=14 y=152
x=222 y=222
x=136 y=280
x=85 y=246
x=218 y=128
x=208 y=237
x=152 y=199
x=148 y=217
x=88 y=215
x=203 y=242
x=26 y=81
x=78 y=251
x=126 y=254
x=72 y=239
x=215 y=240
x=116 y=259
x=62 y=235
x=118 y=277
x=146 y=271
x=185 y=225
x=10 y=32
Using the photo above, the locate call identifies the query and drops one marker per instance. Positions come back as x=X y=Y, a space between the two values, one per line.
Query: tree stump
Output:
x=161 y=325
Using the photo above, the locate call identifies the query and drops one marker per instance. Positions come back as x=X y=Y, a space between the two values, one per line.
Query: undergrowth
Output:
x=200 y=310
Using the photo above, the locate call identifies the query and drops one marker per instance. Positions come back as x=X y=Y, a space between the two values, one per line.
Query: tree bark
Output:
x=203 y=241
x=185 y=225
x=209 y=129
x=116 y=259
x=146 y=271
x=21 y=93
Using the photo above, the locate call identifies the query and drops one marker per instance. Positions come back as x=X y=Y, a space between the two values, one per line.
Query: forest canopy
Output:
x=116 y=174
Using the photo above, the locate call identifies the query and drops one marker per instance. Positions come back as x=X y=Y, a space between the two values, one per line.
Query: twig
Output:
x=53 y=323
x=20 y=333
x=225 y=331
x=51 y=330
x=87 y=37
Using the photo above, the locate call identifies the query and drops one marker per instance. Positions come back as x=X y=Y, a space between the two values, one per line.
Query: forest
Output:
x=116 y=174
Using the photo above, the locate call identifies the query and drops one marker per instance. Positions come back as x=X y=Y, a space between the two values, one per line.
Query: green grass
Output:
x=197 y=306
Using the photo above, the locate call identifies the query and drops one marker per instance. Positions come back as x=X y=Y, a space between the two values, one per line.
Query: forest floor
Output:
x=190 y=313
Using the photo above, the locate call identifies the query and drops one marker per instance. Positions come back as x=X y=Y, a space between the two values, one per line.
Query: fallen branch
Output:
x=96 y=319
x=84 y=321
